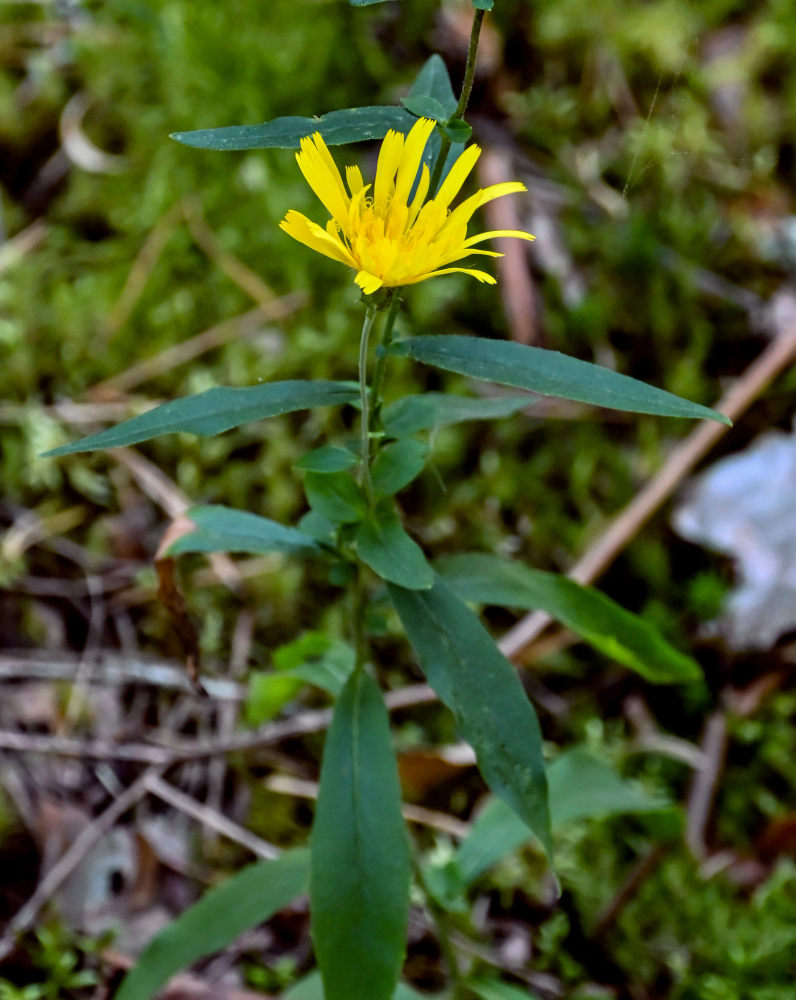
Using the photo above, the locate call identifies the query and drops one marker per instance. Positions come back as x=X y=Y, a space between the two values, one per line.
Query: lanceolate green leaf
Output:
x=336 y=127
x=383 y=545
x=425 y=107
x=581 y=787
x=434 y=81
x=410 y=414
x=485 y=579
x=335 y=496
x=243 y=901
x=359 y=890
x=327 y=458
x=223 y=529
x=548 y=373
x=396 y=465
x=474 y=679
x=215 y=410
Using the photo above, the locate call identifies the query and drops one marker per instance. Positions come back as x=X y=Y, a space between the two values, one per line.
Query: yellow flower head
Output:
x=388 y=240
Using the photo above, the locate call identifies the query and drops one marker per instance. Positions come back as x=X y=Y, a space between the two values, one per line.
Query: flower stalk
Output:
x=364 y=342
x=464 y=97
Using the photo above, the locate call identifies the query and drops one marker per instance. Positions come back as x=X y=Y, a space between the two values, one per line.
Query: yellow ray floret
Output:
x=377 y=231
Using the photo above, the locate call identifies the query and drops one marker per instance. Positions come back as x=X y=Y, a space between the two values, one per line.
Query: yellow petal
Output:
x=328 y=160
x=457 y=175
x=389 y=158
x=478 y=275
x=369 y=283
x=354 y=177
x=467 y=252
x=480 y=237
x=320 y=172
x=313 y=236
x=465 y=211
x=420 y=195
x=410 y=159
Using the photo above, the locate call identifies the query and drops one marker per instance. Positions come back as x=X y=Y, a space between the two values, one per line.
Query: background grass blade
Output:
x=582 y=786
x=243 y=901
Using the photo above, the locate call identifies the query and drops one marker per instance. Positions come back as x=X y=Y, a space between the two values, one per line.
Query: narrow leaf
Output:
x=474 y=679
x=336 y=127
x=425 y=106
x=457 y=130
x=625 y=637
x=496 y=989
x=383 y=545
x=366 y=3
x=318 y=659
x=434 y=81
x=314 y=658
x=359 y=889
x=223 y=529
x=581 y=787
x=245 y=900
x=335 y=496
x=397 y=465
x=328 y=458
x=410 y=414
x=548 y=373
x=216 y=410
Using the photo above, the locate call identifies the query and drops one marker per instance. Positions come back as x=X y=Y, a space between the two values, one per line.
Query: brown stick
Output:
x=285 y=784
x=234 y=268
x=703 y=787
x=143 y=266
x=27 y=239
x=516 y=282
x=210 y=817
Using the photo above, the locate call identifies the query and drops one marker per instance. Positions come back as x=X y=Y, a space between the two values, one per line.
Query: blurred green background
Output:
x=657 y=143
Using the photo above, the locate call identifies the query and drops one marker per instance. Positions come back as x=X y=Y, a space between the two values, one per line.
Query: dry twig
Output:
x=143 y=266
x=234 y=268
x=285 y=784
x=703 y=787
x=209 y=817
x=215 y=336
x=68 y=862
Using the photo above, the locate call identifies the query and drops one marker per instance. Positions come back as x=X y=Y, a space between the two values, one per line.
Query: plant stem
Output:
x=469 y=72
x=464 y=97
x=364 y=341
x=381 y=361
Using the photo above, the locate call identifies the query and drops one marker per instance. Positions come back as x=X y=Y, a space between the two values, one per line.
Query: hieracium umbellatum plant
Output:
x=405 y=225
